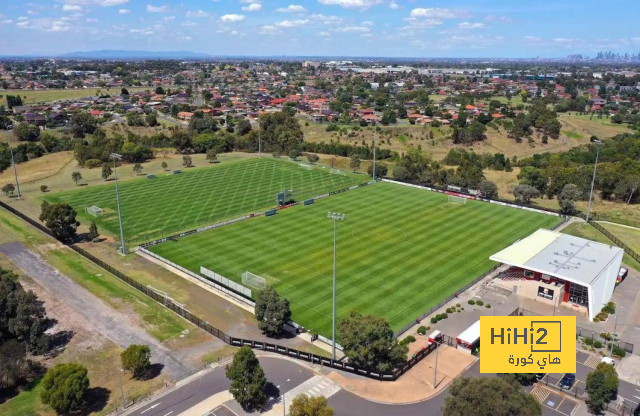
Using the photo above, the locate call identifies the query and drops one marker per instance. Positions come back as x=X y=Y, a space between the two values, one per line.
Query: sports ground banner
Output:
x=528 y=344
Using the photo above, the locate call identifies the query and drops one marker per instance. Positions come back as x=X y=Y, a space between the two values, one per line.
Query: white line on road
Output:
x=169 y=413
x=155 y=405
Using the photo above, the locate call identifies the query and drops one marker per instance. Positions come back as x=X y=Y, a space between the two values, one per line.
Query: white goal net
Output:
x=457 y=199
x=253 y=280
x=337 y=171
x=305 y=166
x=95 y=211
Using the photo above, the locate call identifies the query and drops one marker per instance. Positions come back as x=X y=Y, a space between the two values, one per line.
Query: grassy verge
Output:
x=579 y=229
x=27 y=403
x=156 y=319
x=629 y=236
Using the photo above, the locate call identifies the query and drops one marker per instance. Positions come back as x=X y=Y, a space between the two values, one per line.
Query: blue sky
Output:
x=394 y=28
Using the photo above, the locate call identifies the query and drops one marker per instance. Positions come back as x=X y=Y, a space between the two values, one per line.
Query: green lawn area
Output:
x=629 y=236
x=580 y=229
x=27 y=403
x=46 y=96
x=400 y=251
x=171 y=203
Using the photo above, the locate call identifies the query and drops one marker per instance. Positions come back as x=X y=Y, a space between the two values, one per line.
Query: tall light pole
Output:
x=435 y=371
x=593 y=180
x=335 y=216
x=615 y=328
x=122 y=391
x=15 y=170
x=284 y=406
x=123 y=249
x=375 y=141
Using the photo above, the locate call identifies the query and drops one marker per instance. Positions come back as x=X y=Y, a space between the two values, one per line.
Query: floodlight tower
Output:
x=593 y=180
x=123 y=249
x=335 y=216
x=375 y=141
x=15 y=170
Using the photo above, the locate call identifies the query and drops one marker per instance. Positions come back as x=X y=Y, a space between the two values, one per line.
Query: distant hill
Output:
x=124 y=54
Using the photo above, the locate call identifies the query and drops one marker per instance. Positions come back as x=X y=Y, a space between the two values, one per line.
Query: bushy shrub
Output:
x=93 y=163
x=488 y=305
x=457 y=305
x=588 y=341
x=472 y=302
x=422 y=330
x=410 y=338
x=434 y=320
x=479 y=303
x=44 y=188
x=609 y=308
x=444 y=316
x=620 y=352
x=448 y=310
x=606 y=335
x=597 y=344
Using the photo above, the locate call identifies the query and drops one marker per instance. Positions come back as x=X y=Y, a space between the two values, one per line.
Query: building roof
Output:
x=563 y=256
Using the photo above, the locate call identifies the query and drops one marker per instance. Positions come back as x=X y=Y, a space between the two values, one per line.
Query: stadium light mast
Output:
x=593 y=180
x=335 y=216
x=15 y=170
x=375 y=141
x=123 y=249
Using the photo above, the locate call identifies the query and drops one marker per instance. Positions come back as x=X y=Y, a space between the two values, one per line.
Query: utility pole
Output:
x=15 y=170
x=435 y=371
x=259 y=140
x=615 y=328
x=335 y=216
x=593 y=180
x=284 y=405
x=123 y=249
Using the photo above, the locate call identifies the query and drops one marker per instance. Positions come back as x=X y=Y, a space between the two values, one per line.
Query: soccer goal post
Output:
x=457 y=199
x=253 y=280
x=95 y=211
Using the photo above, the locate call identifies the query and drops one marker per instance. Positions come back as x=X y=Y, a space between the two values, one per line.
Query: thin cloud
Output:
x=232 y=18
x=292 y=8
x=157 y=9
x=253 y=7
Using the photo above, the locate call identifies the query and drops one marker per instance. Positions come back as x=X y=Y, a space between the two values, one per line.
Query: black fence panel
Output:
x=613 y=238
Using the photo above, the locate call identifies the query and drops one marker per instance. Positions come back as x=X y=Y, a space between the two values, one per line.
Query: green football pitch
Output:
x=157 y=207
x=401 y=250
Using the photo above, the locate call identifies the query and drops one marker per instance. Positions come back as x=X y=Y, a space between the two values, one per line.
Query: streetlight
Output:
x=593 y=180
x=123 y=249
x=615 y=328
x=335 y=216
x=122 y=390
x=284 y=406
x=435 y=371
x=15 y=170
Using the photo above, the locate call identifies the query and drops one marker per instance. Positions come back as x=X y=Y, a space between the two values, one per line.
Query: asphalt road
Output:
x=277 y=371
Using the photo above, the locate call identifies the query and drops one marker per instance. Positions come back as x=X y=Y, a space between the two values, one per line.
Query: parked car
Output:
x=608 y=360
x=567 y=381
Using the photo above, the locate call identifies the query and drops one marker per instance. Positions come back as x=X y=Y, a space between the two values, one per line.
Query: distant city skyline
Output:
x=376 y=28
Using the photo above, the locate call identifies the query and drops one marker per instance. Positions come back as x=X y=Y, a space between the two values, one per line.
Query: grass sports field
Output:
x=154 y=207
x=401 y=250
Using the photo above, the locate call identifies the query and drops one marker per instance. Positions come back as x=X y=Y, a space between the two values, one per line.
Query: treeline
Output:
x=618 y=175
x=23 y=323
x=496 y=161
x=346 y=150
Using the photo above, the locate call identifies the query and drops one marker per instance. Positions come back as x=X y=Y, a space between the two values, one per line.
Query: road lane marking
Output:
x=155 y=405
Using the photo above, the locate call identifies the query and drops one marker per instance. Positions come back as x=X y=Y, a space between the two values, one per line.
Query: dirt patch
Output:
x=38 y=169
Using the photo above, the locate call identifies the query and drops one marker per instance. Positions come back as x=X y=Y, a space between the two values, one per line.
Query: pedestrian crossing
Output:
x=314 y=387
x=540 y=394
x=593 y=361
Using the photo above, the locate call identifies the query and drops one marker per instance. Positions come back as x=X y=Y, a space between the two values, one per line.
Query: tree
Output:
x=243 y=127
x=212 y=156
x=369 y=343
x=64 y=387
x=27 y=132
x=303 y=405
x=313 y=158
x=489 y=396
x=61 y=220
x=124 y=91
x=93 y=231
x=76 y=176
x=567 y=197
x=381 y=170
x=164 y=165
x=82 y=124
x=248 y=382
x=137 y=359
x=8 y=189
x=137 y=168
x=601 y=387
x=525 y=379
x=106 y=171
x=187 y=162
x=524 y=193
x=151 y=120
x=44 y=188
x=489 y=189
x=355 y=162
x=272 y=312
x=293 y=154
